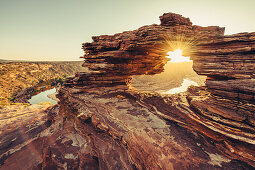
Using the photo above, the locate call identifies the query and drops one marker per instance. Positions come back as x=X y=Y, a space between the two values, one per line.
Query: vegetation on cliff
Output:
x=17 y=77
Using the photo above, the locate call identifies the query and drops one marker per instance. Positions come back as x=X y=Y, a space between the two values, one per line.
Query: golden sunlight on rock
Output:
x=131 y=108
x=176 y=56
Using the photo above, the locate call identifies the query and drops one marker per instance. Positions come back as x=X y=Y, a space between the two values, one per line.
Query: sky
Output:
x=54 y=30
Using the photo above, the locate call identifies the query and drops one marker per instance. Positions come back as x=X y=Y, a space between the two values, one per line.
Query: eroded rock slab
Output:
x=144 y=135
x=20 y=125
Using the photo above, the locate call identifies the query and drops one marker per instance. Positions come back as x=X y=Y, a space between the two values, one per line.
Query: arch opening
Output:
x=177 y=76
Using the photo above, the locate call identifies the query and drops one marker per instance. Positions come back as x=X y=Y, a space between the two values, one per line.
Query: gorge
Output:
x=102 y=122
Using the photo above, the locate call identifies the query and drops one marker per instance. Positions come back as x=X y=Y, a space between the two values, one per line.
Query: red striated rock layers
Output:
x=227 y=105
x=103 y=123
x=223 y=111
x=113 y=59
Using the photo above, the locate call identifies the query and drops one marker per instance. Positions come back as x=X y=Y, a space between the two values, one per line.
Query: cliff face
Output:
x=226 y=105
x=101 y=122
x=229 y=62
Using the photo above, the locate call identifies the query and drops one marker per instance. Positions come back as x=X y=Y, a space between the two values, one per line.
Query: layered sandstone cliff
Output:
x=113 y=59
x=101 y=122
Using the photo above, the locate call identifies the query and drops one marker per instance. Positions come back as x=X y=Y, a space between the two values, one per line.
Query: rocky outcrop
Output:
x=21 y=127
x=226 y=60
x=241 y=90
x=230 y=57
x=229 y=62
x=101 y=122
x=172 y=19
x=227 y=103
x=112 y=60
x=133 y=130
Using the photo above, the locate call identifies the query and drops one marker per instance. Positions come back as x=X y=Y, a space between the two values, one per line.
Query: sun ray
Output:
x=183 y=40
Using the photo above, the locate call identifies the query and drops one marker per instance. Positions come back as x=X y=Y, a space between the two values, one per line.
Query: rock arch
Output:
x=101 y=124
x=114 y=59
x=223 y=110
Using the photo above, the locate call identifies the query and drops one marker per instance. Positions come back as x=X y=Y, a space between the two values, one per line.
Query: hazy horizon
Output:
x=54 y=30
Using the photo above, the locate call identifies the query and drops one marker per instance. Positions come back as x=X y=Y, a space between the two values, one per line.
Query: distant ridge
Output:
x=1 y=60
x=27 y=61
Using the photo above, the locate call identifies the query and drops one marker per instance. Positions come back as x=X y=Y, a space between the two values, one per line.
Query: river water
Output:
x=43 y=97
x=184 y=86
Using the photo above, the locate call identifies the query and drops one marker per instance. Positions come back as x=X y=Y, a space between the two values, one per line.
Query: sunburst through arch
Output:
x=181 y=44
x=176 y=56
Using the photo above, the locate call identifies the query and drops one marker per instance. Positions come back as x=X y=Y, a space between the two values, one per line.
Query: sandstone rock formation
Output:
x=227 y=105
x=229 y=57
x=171 y=19
x=101 y=122
x=229 y=63
x=20 y=126
x=114 y=59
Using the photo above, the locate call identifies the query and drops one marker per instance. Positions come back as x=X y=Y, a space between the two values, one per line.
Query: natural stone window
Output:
x=177 y=76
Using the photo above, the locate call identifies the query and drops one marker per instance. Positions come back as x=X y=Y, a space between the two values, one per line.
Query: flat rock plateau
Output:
x=103 y=122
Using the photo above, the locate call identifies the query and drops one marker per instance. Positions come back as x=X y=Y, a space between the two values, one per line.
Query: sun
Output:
x=176 y=56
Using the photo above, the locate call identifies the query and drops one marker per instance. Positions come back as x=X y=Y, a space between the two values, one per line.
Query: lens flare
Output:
x=181 y=39
x=176 y=56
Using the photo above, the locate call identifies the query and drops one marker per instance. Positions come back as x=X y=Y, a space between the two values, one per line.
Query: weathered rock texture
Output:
x=103 y=123
x=229 y=62
x=227 y=105
x=114 y=59
x=20 y=127
x=230 y=57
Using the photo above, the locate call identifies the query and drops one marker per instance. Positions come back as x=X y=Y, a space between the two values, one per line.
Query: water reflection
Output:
x=43 y=97
x=172 y=77
x=185 y=85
